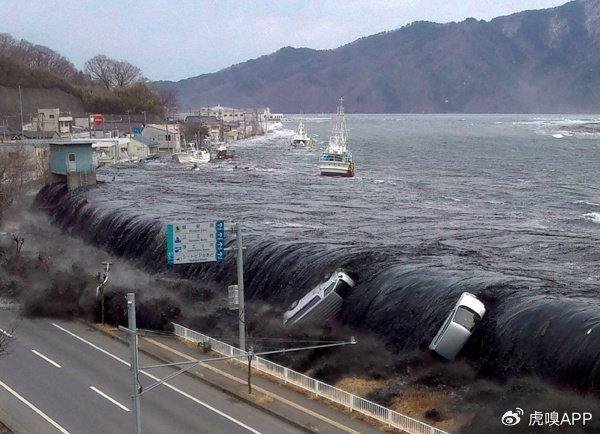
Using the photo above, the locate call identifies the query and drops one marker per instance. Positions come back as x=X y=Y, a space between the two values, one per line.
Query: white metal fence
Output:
x=348 y=400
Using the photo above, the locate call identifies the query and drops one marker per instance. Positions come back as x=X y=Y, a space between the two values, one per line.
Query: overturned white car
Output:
x=458 y=326
x=321 y=303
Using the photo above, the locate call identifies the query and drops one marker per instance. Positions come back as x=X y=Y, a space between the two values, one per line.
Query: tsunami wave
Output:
x=533 y=326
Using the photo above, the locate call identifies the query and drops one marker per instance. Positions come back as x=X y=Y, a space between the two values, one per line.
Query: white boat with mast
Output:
x=192 y=155
x=301 y=138
x=336 y=159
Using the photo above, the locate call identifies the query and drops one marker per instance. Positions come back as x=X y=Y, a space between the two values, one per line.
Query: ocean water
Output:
x=504 y=206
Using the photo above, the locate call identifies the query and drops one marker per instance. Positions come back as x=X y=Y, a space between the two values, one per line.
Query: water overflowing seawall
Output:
x=531 y=328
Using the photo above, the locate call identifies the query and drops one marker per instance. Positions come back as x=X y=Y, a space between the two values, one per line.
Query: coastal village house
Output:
x=166 y=138
x=72 y=162
x=238 y=123
x=51 y=120
x=119 y=149
x=229 y=114
x=226 y=114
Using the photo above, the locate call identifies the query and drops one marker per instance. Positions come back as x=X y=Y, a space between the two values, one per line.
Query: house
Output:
x=48 y=119
x=267 y=115
x=72 y=162
x=150 y=145
x=51 y=120
x=166 y=137
x=137 y=149
x=109 y=150
x=114 y=150
x=227 y=114
x=230 y=132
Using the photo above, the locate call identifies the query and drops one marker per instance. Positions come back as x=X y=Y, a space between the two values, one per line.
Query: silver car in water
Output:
x=321 y=303
x=458 y=326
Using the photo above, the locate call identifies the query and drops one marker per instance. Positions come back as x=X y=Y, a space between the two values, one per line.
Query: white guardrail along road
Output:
x=341 y=397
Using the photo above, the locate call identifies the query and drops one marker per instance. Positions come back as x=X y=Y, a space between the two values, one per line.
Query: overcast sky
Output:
x=176 y=39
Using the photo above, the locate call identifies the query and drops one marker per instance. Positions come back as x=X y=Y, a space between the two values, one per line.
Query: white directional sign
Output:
x=195 y=242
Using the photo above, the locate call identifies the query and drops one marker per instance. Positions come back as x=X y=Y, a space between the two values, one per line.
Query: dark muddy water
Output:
x=506 y=207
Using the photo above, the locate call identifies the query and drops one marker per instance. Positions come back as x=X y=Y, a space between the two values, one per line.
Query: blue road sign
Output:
x=195 y=242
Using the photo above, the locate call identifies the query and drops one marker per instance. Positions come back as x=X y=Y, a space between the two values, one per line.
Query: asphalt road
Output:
x=61 y=376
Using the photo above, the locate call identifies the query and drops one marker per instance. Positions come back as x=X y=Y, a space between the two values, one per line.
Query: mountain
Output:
x=544 y=61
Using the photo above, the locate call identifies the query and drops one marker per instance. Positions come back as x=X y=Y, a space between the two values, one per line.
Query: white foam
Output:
x=587 y=202
x=592 y=216
x=557 y=136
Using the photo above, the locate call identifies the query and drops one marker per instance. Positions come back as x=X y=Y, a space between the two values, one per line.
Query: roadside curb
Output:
x=204 y=380
x=4 y=427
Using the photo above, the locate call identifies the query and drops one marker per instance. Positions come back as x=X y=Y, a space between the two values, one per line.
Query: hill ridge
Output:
x=543 y=60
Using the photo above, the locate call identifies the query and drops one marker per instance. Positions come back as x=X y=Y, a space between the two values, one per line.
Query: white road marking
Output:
x=255 y=387
x=37 y=353
x=175 y=389
x=104 y=395
x=4 y=332
x=34 y=408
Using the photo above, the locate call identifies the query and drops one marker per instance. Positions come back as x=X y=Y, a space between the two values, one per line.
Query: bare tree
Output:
x=196 y=131
x=125 y=74
x=18 y=240
x=168 y=98
x=6 y=183
x=36 y=56
x=16 y=169
x=42 y=166
x=101 y=68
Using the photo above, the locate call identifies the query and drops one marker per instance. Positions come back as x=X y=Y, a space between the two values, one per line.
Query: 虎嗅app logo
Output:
x=511 y=418
x=548 y=418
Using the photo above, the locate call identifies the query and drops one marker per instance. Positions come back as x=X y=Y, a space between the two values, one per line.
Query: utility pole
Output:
x=144 y=112
x=21 y=105
x=129 y=122
x=134 y=367
x=240 y=282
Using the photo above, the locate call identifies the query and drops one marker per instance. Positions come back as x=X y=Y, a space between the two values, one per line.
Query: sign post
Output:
x=189 y=243
x=240 y=278
x=134 y=367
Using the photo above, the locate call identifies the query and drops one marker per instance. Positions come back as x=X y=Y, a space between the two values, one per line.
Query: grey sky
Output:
x=183 y=38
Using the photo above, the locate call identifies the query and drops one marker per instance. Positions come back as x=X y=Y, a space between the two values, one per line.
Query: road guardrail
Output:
x=339 y=396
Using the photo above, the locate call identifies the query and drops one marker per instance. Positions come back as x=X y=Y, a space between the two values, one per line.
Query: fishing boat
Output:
x=336 y=159
x=192 y=155
x=302 y=139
